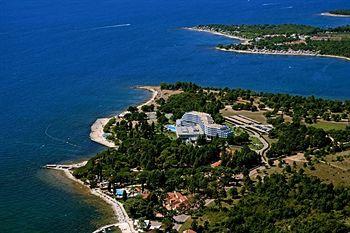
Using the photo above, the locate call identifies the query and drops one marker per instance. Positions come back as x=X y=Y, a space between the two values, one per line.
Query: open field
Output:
x=329 y=125
x=330 y=174
x=212 y=215
x=258 y=116
x=333 y=168
x=255 y=144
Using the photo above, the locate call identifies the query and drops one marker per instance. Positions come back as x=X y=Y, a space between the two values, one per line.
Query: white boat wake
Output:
x=58 y=139
x=111 y=26
x=269 y=4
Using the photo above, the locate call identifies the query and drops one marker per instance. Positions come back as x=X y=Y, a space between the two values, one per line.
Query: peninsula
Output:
x=284 y=39
x=337 y=13
x=208 y=159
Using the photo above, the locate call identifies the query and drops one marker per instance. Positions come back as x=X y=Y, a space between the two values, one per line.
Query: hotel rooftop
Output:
x=193 y=124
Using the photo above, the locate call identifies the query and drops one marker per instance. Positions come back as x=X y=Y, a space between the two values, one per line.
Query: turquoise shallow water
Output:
x=65 y=63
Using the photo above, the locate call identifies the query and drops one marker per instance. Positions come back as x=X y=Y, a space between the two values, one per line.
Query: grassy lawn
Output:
x=329 y=125
x=186 y=225
x=334 y=169
x=258 y=116
x=269 y=171
x=255 y=144
x=232 y=149
x=330 y=174
x=212 y=215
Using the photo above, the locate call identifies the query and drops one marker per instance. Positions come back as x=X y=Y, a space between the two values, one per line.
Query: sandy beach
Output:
x=154 y=91
x=282 y=53
x=241 y=39
x=124 y=222
x=97 y=133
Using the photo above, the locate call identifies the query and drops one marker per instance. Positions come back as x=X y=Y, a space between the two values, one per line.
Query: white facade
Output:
x=205 y=122
x=213 y=130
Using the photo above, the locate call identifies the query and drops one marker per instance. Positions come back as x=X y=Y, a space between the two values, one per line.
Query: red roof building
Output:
x=176 y=201
x=189 y=231
x=216 y=164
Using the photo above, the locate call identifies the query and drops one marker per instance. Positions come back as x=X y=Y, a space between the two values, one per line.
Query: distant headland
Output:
x=337 y=13
x=284 y=39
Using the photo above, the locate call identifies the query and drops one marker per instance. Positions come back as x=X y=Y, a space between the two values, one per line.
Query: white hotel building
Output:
x=193 y=124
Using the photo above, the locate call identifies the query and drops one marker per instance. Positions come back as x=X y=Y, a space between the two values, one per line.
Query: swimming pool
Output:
x=171 y=128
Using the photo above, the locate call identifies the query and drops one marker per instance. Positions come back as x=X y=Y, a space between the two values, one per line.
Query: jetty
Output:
x=65 y=166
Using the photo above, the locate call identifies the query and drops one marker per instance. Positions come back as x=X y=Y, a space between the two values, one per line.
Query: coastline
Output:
x=334 y=15
x=154 y=92
x=125 y=223
x=241 y=39
x=282 y=53
x=97 y=133
x=246 y=41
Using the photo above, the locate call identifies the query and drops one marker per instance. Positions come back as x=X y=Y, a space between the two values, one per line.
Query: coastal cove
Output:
x=68 y=63
x=123 y=222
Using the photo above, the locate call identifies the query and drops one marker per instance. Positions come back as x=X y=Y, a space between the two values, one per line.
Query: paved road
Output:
x=266 y=145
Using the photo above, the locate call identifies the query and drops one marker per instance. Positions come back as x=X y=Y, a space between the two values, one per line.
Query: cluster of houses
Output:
x=173 y=201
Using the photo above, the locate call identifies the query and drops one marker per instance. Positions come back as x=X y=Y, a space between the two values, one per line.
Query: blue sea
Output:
x=64 y=63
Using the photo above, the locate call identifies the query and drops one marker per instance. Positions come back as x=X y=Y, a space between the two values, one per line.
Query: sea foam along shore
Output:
x=282 y=53
x=97 y=133
x=334 y=15
x=124 y=223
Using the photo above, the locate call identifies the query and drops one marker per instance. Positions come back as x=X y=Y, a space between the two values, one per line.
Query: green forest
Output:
x=340 y=12
x=259 y=30
x=286 y=37
x=288 y=202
